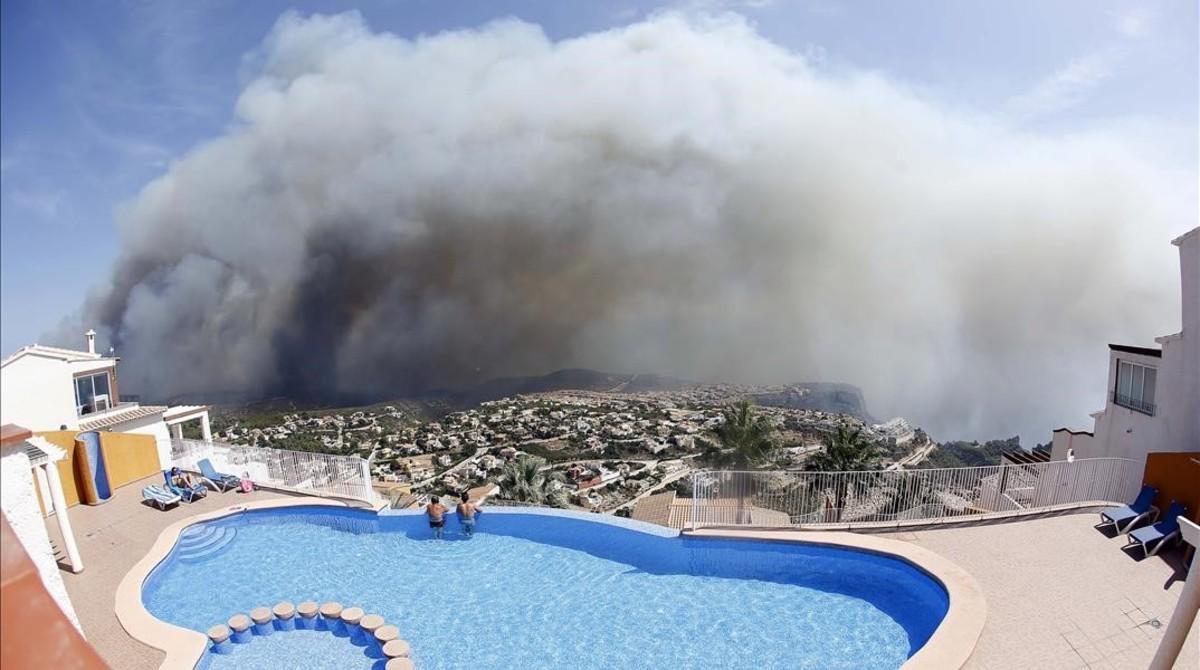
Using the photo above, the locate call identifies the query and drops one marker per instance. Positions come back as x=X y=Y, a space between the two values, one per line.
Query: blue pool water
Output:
x=532 y=591
x=293 y=649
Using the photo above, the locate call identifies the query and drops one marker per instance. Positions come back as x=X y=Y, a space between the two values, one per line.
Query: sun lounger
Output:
x=188 y=494
x=1125 y=517
x=1153 y=538
x=220 y=480
x=159 y=497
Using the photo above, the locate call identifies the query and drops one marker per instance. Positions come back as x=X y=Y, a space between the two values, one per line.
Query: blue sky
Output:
x=99 y=97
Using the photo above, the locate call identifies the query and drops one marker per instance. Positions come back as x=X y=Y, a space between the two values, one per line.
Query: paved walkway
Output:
x=1062 y=595
x=112 y=537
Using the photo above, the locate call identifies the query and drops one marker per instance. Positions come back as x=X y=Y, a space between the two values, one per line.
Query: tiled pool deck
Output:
x=112 y=537
x=1060 y=594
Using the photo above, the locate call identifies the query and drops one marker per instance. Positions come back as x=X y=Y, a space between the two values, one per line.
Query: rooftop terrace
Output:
x=1060 y=594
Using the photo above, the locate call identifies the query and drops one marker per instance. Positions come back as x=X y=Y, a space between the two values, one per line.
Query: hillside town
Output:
x=606 y=450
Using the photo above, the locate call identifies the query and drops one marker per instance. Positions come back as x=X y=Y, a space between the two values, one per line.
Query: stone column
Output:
x=60 y=514
x=176 y=431
x=1185 y=609
x=205 y=428
x=43 y=489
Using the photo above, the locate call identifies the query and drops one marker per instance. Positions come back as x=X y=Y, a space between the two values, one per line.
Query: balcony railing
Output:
x=1133 y=404
x=85 y=415
x=300 y=471
x=787 y=498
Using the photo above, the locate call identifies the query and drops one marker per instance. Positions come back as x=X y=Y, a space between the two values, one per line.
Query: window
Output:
x=91 y=394
x=1135 y=387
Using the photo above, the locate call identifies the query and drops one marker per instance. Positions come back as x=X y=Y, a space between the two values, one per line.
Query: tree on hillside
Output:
x=745 y=437
x=745 y=443
x=845 y=451
x=525 y=480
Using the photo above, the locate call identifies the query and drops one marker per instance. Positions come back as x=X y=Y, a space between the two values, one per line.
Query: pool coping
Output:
x=950 y=646
x=954 y=640
x=184 y=647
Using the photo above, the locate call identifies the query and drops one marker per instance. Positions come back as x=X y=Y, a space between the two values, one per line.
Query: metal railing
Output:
x=300 y=471
x=783 y=498
x=1134 y=404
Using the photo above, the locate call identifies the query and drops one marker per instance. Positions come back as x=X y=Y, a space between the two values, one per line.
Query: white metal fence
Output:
x=300 y=471
x=794 y=498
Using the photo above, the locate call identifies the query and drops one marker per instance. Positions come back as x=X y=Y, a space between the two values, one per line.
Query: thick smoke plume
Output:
x=679 y=196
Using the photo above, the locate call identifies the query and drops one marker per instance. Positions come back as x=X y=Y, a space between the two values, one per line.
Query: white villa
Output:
x=1153 y=393
x=48 y=388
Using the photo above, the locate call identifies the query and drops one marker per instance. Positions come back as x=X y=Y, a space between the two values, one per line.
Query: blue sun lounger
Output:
x=188 y=494
x=1153 y=538
x=1125 y=517
x=221 y=481
x=159 y=497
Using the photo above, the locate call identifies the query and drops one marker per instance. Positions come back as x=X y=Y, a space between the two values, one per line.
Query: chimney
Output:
x=90 y=336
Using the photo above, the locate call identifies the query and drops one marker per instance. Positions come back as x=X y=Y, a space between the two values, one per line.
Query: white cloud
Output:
x=1133 y=23
x=1066 y=87
x=1075 y=82
x=45 y=204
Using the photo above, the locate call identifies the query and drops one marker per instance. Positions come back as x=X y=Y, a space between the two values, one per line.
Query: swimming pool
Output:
x=536 y=590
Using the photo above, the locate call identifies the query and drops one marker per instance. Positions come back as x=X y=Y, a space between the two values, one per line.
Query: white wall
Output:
x=38 y=393
x=1176 y=424
x=153 y=425
x=1122 y=432
x=20 y=506
x=1182 y=399
x=1065 y=440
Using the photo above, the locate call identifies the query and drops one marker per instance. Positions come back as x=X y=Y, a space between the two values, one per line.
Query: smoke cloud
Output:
x=679 y=196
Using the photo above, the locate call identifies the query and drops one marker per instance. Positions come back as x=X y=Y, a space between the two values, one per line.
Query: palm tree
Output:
x=526 y=480
x=745 y=438
x=845 y=451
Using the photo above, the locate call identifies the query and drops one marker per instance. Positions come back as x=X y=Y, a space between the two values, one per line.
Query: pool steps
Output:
x=201 y=543
x=365 y=630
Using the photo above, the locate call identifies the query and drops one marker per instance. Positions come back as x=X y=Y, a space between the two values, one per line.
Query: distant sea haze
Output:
x=388 y=217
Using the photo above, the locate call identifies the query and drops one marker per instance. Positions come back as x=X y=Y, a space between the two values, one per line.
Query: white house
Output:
x=1153 y=393
x=50 y=388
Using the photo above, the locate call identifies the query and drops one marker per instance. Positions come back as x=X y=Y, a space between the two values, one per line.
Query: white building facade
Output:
x=50 y=388
x=1153 y=393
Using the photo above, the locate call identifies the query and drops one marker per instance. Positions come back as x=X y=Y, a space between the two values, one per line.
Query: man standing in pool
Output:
x=435 y=509
x=466 y=514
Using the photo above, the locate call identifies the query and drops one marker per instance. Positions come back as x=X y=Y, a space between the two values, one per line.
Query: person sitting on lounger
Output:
x=466 y=515
x=182 y=479
x=435 y=509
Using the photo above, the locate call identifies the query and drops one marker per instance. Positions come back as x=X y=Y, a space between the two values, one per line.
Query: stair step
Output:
x=213 y=544
x=196 y=535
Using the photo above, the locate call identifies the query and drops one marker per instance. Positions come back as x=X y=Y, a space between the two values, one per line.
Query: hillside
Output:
x=961 y=454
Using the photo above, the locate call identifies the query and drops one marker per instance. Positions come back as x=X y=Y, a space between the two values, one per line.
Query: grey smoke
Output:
x=679 y=196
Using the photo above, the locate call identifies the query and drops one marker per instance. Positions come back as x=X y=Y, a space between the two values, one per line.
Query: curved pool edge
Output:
x=950 y=646
x=954 y=640
x=184 y=647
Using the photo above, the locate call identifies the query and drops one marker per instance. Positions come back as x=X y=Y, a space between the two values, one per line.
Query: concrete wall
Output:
x=1065 y=440
x=1175 y=426
x=155 y=427
x=1183 y=394
x=1177 y=477
x=129 y=457
x=1125 y=433
x=38 y=393
x=19 y=502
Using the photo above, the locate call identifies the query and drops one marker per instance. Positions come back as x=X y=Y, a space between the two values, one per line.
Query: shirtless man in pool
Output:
x=437 y=522
x=467 y=511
